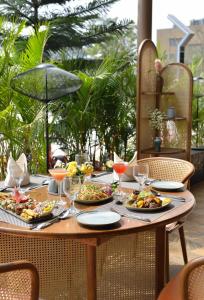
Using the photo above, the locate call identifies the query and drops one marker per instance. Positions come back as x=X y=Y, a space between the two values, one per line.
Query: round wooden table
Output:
x=93 y=238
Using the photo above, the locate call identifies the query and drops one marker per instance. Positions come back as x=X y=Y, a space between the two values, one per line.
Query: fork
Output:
x=174 y=197
x=130 y=216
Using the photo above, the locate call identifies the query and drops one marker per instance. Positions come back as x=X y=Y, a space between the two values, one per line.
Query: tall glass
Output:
x=141 y=173
x=71 y=188
x=83 y=160
x=120 y=168
x=59 y=174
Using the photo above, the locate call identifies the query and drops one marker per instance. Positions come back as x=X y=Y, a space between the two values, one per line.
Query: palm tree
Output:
x=21 y=118
x=71 y=26
x=105 y=104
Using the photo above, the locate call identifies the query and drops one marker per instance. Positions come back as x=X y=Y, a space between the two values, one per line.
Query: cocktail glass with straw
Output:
x=120 y=168
x=71 y=188
x=59 y=174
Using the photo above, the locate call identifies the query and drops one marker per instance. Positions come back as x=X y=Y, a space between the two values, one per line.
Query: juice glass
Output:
x=59 y=174
x=120 y=168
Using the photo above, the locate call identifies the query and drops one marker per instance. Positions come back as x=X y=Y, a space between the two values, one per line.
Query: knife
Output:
x=45 y=224
x=3 y=189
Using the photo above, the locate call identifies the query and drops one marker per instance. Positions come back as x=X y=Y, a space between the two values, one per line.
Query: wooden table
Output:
x=92 y=238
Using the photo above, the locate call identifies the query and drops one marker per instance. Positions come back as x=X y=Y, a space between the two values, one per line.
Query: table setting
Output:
x=147 y=201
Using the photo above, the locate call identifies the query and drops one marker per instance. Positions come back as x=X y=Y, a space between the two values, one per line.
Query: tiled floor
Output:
x=194 y=232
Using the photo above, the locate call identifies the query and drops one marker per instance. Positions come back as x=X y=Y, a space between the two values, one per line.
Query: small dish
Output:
x=167 y=185
x=98 y=218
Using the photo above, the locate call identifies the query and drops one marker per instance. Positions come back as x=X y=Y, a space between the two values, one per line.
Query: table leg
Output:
x=91 y=272
x=160 y=259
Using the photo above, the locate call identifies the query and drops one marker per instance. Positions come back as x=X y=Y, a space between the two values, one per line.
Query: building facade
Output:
x=168 y=39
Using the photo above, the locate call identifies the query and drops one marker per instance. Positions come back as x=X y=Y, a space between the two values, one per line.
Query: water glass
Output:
x=140 y=173
x=71 y=188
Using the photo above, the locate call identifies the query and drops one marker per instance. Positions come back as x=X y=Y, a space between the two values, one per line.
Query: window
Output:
x=173 y=42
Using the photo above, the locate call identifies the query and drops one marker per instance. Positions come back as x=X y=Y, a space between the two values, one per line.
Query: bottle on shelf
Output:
x=157 y=144
x=171 y=112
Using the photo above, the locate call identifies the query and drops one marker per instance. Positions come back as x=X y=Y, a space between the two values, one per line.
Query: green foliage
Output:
x=105 y=104
x=21 y=120
x=71 y=24
x=197 y=103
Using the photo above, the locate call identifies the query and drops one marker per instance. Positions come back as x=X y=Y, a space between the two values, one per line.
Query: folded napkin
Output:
x=17 y=169
x=128 y=175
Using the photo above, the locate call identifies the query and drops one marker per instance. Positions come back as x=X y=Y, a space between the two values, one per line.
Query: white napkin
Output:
x=15 y=169
x=128 y=175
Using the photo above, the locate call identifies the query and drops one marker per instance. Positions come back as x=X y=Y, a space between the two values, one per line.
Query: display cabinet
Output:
x=170 y=91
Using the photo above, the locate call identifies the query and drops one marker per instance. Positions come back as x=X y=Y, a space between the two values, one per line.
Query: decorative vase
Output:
x=157 y=144
x=171 y=112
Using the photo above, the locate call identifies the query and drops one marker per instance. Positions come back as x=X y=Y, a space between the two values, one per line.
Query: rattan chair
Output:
x=167 y=168
x=19 y=280
x=188 y=283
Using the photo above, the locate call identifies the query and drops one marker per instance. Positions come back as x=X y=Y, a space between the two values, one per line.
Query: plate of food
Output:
x=167 y=185
x=98 y=218
x=26 y=208
x=146 y=201
x=92 y=194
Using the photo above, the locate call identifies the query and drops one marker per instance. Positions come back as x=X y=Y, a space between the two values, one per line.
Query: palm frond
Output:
x=33 y=53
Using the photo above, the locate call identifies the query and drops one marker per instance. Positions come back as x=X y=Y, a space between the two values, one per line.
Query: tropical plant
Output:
x=71 y=25
x=197 y=103
x=21 y=118
x=105 y=104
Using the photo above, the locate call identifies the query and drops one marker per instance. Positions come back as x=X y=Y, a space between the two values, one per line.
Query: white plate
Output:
x=98 y=218
x=167 y=185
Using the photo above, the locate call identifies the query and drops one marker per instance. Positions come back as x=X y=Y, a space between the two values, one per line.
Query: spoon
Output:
x=66 y=214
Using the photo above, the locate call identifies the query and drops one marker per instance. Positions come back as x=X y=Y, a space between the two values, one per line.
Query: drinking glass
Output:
x=120 y=168
x=59 y=174
x=140 y=173
x=81 y=158
x=71 y=188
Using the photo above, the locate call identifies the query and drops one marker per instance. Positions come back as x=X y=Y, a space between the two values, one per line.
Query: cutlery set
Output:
x=64 y=215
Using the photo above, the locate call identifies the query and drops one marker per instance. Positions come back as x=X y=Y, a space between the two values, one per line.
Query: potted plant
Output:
x=156 y=121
